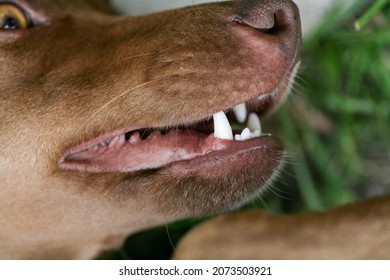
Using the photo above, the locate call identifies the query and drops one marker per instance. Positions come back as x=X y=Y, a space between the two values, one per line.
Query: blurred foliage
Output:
x=337 y=118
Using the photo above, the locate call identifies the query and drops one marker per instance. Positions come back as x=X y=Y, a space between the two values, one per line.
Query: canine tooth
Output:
x=240 y=112
x=254 y=122
x=222 y=128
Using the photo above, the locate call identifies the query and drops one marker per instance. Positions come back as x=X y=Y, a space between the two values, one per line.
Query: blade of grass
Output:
x=371 y=12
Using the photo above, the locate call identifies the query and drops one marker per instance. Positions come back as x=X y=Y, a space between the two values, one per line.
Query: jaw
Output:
x=185 y=161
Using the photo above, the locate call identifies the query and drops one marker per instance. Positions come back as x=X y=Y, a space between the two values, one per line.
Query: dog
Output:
x=106 y=121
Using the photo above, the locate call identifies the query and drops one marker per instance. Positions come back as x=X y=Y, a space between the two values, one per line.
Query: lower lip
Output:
x=261 y=153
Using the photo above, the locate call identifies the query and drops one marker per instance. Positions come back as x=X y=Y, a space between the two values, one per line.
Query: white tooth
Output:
x=135 y=138
x=240 y=112
x=254 y=122
x=222 y=128
x=246 y=134
x=256 y=133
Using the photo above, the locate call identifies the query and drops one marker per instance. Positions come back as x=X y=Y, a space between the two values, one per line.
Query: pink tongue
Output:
x=136 y=154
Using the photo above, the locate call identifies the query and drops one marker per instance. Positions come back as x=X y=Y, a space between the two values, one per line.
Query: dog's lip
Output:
x=124 y=150
x=156 y=152
x=203 y=144
x=237 y=155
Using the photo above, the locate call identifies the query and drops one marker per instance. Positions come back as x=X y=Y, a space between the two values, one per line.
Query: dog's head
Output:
x=106 y=120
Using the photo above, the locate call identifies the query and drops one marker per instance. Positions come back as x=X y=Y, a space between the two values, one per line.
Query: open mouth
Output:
x=235 y=129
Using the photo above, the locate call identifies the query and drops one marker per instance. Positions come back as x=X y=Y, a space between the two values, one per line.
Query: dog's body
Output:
x=81 y=90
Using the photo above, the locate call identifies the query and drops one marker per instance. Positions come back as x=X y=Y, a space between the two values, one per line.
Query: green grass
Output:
x=346 y=82
x=337 y=119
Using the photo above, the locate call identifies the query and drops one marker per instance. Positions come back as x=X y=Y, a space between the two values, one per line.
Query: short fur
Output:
x=82 y=71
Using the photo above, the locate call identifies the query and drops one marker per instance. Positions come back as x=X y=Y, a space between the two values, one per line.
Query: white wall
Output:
x=311 y=10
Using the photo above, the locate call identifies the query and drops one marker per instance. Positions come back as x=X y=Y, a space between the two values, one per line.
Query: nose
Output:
x=278 y=18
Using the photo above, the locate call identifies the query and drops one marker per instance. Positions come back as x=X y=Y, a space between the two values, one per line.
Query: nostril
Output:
x=260 y=19
x=266 y=15
x=279 y=18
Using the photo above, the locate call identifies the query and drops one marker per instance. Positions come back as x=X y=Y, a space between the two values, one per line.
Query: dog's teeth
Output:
x=120 y=139
x=254 y=123
x=256 y=133
x=222 y=128
x=246 y=134
x=240 y=112
x=135 y=137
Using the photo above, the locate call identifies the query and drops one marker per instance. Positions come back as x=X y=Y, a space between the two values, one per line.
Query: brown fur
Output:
x=356 y=231
x=82 y=71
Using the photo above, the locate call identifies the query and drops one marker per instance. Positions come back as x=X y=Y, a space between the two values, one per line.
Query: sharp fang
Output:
x=254 y=123
x=240 y=112
x=222 y=128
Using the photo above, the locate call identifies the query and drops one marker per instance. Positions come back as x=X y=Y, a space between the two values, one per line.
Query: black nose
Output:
x=279 y=18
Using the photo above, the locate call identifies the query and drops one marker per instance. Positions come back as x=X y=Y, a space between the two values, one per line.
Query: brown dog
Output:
x=105 y=120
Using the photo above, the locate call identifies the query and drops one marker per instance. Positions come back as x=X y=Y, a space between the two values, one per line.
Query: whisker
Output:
x=147 y=54
x=116 y=98
x=170 y=238
x=260 y=198
x=140 y=55
x=124 y=254
x=279 y=193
